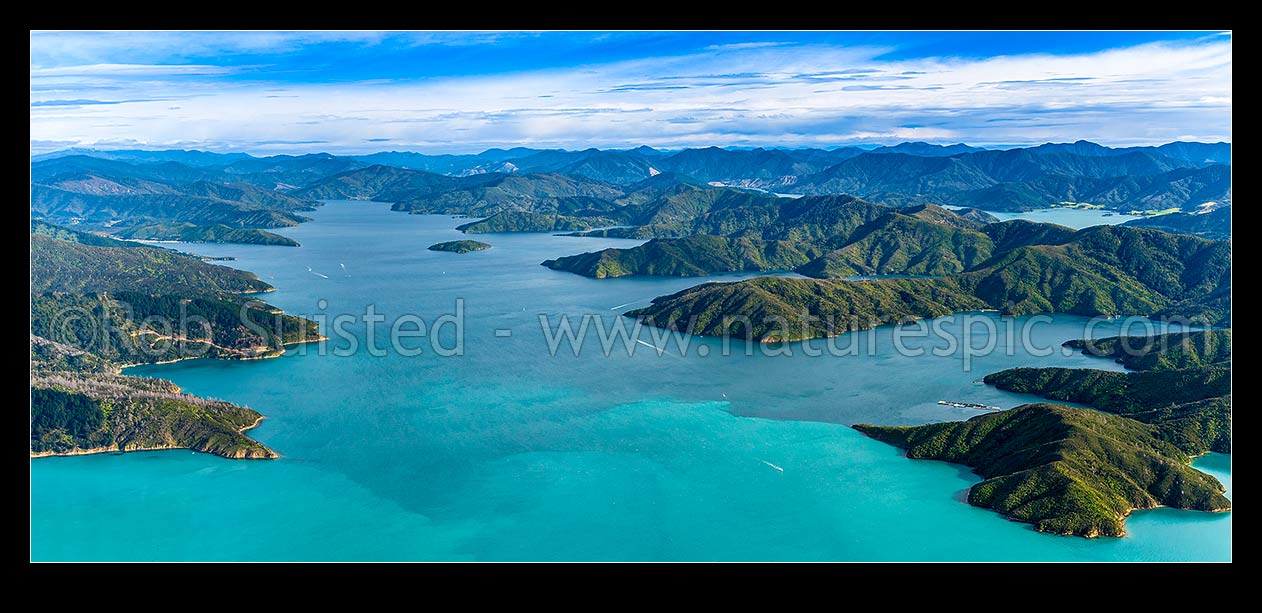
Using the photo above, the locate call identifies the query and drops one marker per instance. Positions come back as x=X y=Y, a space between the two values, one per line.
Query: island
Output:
x=461 y=246
x=1078 y=471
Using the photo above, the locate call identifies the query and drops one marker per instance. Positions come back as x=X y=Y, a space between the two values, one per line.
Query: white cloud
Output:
x=905 y=134
x=59 y=48
x=131 y=70
x=751 y=95
x=742 y=46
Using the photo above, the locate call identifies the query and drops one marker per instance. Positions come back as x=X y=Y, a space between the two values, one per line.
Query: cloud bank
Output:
x=263 y=93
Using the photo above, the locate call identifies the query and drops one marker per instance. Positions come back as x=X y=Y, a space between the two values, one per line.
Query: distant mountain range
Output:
x=653 y=193
x=749 y=167
x=83 y=191
x=1025 y=179
x=525 y=159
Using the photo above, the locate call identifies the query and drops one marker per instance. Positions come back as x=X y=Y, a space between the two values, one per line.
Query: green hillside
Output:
x=98 y=303
x=688 y=257
x=1162 y=352
x=1065 y=470
x=1101 y=271
x=217 y=233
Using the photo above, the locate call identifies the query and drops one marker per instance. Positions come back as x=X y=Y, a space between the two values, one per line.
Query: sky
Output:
x=266 y=92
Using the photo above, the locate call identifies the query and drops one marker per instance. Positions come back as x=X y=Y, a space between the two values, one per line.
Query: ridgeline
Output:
x=91 y=300
x=1081 y=471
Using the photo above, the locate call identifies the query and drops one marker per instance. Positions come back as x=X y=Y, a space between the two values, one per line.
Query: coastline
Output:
x=1089 y=535
x=271 y=454
x=796 y=339
x=255 y=451
x=261 y=356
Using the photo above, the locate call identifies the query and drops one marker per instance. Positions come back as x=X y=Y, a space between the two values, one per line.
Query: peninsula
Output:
x=1082 y=471
x=80 y=403
x=93 y=409
x=1015 y=267
x=1066 y=470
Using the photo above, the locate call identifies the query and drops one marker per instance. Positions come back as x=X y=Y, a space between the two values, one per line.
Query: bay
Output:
x=1065 y=216
x=510 y=453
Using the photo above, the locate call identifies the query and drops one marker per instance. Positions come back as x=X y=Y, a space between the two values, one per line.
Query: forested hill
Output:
x=99 y=303
x=901 y=171
x=1215 y=224
x=1082 y=471
x=1175 y=350
x=119 y=190
x=1065 y=470
x=74 y=267
x=1097 y=271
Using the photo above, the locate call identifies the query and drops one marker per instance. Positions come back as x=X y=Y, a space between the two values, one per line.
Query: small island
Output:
x=461 y=246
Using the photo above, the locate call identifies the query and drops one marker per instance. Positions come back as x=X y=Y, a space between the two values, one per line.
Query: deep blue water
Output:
x=509 y=453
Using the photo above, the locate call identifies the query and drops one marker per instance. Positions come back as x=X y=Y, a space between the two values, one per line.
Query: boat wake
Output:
x=655 y=347
x=969 y=405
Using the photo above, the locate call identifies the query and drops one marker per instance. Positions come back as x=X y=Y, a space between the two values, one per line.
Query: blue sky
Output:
x=456 y=92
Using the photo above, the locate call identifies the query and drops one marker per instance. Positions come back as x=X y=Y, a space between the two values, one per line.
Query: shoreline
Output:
x=115 y=449
x=266 y=452
x=1090 y=536
x=263 y=356
x=771 y=339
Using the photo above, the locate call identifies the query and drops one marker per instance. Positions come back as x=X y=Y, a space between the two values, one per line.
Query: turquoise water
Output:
x=508 y=453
